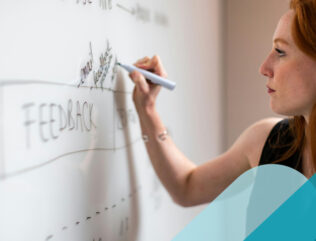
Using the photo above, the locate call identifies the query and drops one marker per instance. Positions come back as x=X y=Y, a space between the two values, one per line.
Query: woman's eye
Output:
x=280 y=52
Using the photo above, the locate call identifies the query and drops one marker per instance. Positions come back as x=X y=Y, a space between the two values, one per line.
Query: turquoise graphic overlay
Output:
x=294 y=220
x=250 y=200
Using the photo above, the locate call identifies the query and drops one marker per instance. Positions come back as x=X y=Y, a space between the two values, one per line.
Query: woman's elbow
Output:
x=183 y=201
x=187 y=200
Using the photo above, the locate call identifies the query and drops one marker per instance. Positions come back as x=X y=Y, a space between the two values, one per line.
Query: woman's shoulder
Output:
x=256 y=135
x=265 y=126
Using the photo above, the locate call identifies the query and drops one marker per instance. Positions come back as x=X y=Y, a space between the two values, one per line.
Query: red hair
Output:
x=304 y=35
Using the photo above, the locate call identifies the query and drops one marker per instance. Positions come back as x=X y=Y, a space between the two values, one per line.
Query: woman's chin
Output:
x=284 y=111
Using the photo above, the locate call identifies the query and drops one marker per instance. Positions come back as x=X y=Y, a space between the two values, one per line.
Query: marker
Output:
x=156 y=79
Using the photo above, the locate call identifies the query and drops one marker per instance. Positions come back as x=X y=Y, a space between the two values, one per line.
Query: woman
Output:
x=290 y=69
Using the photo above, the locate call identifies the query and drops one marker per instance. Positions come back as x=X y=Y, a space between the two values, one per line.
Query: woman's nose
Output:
x=266 y=69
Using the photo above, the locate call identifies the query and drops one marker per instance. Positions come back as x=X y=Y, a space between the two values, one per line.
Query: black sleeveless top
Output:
x=277 y=143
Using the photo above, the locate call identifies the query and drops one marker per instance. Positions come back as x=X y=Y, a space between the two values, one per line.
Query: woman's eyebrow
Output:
x=281 y=41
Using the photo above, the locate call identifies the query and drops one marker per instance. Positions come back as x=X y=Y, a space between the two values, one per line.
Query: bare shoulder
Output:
x=252 y=140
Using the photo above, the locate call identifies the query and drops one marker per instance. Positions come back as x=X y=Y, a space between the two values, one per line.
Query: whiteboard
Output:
x=73 y=165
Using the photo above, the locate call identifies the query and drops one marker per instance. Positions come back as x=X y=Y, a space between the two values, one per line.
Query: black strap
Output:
x=277 y=143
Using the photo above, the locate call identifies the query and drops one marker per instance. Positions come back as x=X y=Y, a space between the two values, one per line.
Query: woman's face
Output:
x=291 y=73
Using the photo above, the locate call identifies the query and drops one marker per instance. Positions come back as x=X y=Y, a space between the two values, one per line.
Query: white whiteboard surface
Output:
x=73 y=166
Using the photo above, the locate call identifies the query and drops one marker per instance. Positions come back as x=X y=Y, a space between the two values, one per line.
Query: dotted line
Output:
x=97 y=213
x=49 y=237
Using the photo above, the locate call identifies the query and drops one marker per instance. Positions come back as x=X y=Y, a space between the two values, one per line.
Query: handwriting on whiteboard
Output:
x=51 y=120
x=125 y=117
x=98 y=70
x=140 y=12
x=104 y=4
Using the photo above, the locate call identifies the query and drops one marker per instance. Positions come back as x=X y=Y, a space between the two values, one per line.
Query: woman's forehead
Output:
x=284 y=27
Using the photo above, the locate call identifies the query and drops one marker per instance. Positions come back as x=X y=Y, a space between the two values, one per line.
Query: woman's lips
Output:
x=270 y=90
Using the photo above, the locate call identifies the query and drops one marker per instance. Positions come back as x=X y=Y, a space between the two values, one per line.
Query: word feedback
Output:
x=50 y=120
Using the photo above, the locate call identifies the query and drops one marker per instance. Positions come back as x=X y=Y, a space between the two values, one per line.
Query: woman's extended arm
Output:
x=187 y=183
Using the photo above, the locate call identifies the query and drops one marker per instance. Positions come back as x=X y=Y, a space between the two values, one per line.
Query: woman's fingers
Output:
x=154 y=64
x=140 y=82
x=145 y=93
x=142 y=61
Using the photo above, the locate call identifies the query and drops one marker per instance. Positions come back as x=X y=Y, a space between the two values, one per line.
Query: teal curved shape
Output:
x=245 y=205
x=294 y=220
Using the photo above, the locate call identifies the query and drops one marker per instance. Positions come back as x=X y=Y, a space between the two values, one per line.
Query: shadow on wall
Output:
x=103 y=181
x=120 y=102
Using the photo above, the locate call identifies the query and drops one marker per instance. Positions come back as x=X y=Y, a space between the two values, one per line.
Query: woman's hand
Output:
x=145 y=92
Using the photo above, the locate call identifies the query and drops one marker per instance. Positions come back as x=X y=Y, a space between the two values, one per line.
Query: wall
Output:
x=250 y=26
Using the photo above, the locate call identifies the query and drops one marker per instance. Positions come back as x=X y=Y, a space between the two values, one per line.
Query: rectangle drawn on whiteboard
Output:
x=43 y=120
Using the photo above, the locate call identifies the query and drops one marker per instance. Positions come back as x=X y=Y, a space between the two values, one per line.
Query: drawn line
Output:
x=9 y=175
x=49 y=237
x=131 y=11
x=97 y=213
x=132 y=193
x=114 y=122
x=4 y=83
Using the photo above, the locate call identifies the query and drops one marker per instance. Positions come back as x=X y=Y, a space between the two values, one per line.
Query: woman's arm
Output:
x=187 y=183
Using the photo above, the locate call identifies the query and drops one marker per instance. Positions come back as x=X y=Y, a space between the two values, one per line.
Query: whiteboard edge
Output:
x=2 y=164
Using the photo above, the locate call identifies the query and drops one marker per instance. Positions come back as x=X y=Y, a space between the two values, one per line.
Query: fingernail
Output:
x=141 y=65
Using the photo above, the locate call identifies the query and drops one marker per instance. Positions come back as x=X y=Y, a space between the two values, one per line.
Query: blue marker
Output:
x=152 y=77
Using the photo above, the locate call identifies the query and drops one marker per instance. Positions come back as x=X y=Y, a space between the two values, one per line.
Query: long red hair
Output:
x=304 y=35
